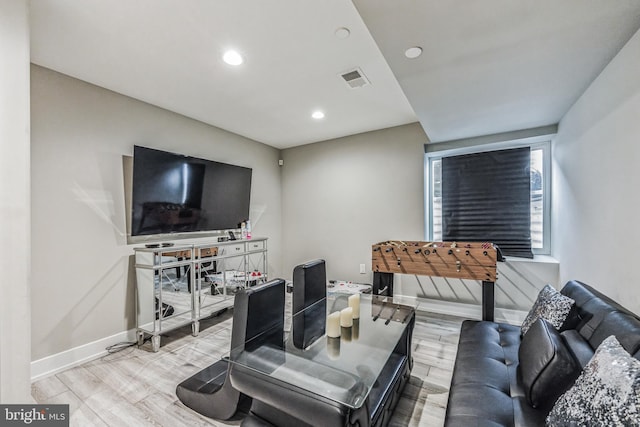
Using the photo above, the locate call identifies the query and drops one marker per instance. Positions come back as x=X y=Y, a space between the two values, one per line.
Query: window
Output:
x=539 y=190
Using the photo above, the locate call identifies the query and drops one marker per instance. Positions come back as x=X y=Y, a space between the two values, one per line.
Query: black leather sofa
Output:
x=488 y=387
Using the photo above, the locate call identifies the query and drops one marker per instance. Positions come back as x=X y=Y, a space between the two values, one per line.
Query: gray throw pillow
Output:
x=550 y=305
x=607 y=393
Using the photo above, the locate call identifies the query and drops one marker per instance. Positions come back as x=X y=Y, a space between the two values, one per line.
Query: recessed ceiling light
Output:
x=413 y=52
x=318 y=115
x=232 y=57
x=342 y=33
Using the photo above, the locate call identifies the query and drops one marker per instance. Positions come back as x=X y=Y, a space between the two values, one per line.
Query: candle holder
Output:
x=333 y=348
x=346 y=334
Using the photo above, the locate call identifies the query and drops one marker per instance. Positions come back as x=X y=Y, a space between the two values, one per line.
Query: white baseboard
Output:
x=55 y=363
x=469 y=311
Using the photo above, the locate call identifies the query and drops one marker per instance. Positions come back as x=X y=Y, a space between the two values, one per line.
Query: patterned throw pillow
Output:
x=551 y=305
x=607 y=393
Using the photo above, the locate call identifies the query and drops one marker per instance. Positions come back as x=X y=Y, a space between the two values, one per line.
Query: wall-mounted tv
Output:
x=173 y=193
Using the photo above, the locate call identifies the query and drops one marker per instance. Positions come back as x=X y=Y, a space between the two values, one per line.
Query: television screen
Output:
x=173 y=193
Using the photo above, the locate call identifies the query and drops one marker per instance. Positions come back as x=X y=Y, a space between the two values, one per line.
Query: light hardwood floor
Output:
x=136 y=387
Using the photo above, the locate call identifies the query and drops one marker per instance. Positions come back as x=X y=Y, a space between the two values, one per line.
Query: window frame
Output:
x=542 y=143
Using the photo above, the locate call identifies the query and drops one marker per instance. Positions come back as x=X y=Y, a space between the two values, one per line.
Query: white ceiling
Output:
x=494 y=66
x=487 y=67
x=169 y=53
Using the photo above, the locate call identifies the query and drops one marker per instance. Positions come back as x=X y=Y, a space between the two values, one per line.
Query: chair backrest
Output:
x=258 y=316
x=309 y=305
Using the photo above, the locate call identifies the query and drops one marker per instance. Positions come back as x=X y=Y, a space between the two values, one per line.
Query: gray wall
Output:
x=596 y=176
x=342 y=196
x=15 y=287
x=83 y=286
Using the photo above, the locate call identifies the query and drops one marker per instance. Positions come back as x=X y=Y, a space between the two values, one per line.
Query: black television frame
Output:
x=179 y=196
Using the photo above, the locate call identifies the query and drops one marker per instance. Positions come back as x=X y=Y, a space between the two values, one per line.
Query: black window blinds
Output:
x=486 y=197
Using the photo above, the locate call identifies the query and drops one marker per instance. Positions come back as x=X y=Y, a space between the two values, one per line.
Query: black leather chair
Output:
x=309 y=304
x=275 y=403
x=258 y=319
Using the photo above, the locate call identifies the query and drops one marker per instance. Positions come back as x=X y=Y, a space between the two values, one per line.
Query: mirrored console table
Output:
x=166 y=297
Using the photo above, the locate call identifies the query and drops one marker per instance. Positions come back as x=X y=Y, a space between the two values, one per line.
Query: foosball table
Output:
x=460 y=260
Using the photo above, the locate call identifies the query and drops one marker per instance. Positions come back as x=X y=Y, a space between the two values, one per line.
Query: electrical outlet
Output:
x=362 y=269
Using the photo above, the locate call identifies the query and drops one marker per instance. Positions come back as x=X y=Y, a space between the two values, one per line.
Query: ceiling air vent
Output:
x=355 y=78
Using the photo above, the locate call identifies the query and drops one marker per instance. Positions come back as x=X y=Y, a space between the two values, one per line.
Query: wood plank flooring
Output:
x=136 y=387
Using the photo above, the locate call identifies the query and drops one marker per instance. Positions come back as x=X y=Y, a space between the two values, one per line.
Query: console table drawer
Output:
x=207 y=252
x=256 y=246
x=232 y=249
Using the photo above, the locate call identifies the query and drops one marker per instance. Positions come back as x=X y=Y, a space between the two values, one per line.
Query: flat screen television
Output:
x=173 y=193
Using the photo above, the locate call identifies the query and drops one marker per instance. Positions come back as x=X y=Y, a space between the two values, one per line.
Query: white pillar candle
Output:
x=333 y=325
x=346 y=317
x=354 y=303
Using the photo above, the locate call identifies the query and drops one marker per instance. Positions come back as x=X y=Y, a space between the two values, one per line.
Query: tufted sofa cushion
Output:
x=485 y=390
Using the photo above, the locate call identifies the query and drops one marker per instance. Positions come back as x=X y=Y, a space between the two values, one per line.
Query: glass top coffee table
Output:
x=341 y=369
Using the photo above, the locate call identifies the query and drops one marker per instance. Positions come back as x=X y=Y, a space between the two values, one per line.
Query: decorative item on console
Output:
x=245 y=229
